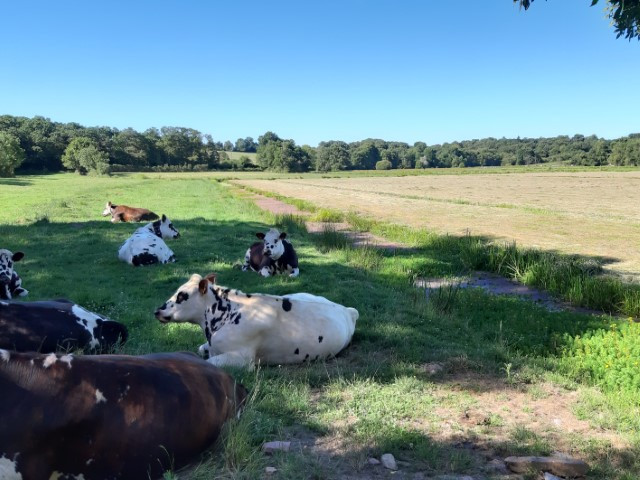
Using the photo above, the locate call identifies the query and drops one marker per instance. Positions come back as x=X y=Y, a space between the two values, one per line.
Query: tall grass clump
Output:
x=327 y=215
x=290 y=223
x=330 y=239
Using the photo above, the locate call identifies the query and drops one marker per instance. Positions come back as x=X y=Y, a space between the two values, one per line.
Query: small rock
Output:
x=565 y=467
x=373 y=461
x=277 y=446
x=270 y=470
x=403 y=464
x=388 y=461
x=550 y=476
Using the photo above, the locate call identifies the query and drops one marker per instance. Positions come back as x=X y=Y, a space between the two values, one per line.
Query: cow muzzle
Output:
x=162 y=318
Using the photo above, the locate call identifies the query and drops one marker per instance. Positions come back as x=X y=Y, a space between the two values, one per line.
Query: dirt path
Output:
x=358 y=239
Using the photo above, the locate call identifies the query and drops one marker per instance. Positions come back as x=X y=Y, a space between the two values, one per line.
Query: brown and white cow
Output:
x=10 y=281
x=109 y=416
x=56 y=325
x=122 y=213
x=246 y=328
x=273 y=254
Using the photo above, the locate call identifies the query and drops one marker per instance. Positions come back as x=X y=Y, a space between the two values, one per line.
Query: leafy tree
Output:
x=83 y=156
x=245 y=145
x=228 y=146
x=281 y=155
x=332 y=155
x=365 y=156
x=93 y=161
x=11 y=154
x=624 y=15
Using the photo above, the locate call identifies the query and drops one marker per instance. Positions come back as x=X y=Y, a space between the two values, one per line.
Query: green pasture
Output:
x=377 y=393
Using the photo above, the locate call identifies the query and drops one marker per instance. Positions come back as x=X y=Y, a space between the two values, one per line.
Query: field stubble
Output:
x=587 y=213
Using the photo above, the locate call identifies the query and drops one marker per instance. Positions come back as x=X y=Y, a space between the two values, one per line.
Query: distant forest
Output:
x=38 y=145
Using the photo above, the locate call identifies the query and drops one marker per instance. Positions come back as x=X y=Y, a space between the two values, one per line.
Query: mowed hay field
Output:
x=446 y=383
x=588 y=213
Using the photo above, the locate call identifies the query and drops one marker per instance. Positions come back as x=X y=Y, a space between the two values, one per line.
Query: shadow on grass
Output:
x=397 y=333
x=17 y=182
x=398 y=329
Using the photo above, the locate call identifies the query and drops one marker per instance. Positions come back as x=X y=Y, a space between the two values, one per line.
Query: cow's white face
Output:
x=189 y=302
x=7 y=259
x=107 y=209
x=273 y=246
x=166 y=227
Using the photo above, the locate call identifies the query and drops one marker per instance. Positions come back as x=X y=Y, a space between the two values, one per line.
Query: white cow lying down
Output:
x=246 y=328
x=146 y=246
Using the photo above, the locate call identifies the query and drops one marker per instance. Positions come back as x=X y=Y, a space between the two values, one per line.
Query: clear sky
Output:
x=428 y=70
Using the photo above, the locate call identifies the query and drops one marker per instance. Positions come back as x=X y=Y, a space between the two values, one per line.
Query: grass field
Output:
x=588 y=213
x=515 y=379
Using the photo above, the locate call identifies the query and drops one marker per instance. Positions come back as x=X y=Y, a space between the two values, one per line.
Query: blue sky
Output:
x=428 y=70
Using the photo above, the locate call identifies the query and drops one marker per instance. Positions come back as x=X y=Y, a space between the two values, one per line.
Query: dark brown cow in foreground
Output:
x=122 y=213
x=109 y=416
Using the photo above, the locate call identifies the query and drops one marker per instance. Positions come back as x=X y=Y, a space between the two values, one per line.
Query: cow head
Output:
x=189 y=302
x=164 y=228
x=7 y=259
x=273 y=247
x=108 y=209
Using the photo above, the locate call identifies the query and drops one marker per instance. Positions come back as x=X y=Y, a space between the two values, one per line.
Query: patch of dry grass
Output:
x=588 y=213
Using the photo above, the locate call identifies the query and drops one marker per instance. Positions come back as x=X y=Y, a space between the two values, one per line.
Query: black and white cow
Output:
x=246 y=328
x=109 y=416
x=273 y=254
x=10 y=281
x=56 y=325
x=146 y=246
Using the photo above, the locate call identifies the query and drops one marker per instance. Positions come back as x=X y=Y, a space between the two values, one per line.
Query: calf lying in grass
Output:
x=246 y=328
x=272 y=255
x=122 y=213
x=146 y=246
x=10 y=281
x=109 y=416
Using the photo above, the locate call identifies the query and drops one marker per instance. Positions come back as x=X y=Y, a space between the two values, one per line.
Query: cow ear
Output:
x=211 y=277
x=283 y=236
x=164 y=218
x=203 y=285
x=260 y=235
x=17 y=256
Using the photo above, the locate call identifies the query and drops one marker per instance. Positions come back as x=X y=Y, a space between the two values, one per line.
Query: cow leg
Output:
x=239 y=358
x=203 y=350
x=21 y=292
x=247 y=260
x=5 y=292
x=295 y=272
x=265 y=271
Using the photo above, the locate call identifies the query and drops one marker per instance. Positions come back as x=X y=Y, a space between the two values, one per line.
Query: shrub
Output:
x=608 y=357
x=383 y=165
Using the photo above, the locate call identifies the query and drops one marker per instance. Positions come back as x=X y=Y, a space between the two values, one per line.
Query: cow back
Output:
x=54 y=325
x=111 y=416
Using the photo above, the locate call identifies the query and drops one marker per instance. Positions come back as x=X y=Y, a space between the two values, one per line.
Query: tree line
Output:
x=283 y=155
x=39 y=145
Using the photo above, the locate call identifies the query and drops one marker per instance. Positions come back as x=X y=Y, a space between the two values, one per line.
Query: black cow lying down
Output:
x=51 y=325
x=109 y=416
